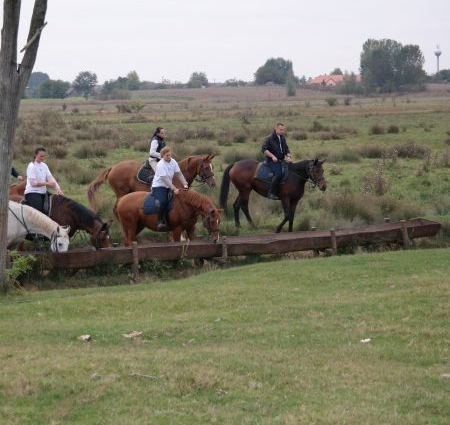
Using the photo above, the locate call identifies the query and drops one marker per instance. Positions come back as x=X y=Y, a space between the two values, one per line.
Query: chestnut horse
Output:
x=188 y=205
x=18 y=189
x=242 y=174
x=122 y=177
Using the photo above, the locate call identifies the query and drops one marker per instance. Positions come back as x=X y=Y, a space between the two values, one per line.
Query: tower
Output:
x=437 y=52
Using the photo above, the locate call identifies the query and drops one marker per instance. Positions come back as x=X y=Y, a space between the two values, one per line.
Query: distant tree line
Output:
x=385 y=66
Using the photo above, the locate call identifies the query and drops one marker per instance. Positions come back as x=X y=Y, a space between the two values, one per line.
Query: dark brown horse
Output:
x=67 y=212
x=187 y=207
x=122 y=177
x=242 y=174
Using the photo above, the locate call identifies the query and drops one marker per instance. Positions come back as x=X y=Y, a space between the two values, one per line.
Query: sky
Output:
x=225 y=39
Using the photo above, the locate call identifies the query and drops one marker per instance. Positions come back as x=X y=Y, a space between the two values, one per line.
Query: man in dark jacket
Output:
x=276 y=151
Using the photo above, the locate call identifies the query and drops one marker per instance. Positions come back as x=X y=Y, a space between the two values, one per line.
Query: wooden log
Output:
x=135 y=261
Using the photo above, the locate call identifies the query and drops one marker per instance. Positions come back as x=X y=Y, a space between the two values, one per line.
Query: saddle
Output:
x=264 y=173
x=47 y=208
x=145 y=174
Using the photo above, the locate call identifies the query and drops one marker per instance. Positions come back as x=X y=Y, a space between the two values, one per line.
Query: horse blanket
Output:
x=151 y=207
x=263 y=172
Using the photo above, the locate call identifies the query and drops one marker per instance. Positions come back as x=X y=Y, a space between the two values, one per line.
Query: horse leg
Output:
x=244 y=207
x=236 y=208
x=176 y=234
x=287 y=216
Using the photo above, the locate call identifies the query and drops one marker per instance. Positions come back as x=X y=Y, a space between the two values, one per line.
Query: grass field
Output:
x=271 y=343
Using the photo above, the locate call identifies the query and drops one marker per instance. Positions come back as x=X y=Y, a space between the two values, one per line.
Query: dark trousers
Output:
x=35 y=200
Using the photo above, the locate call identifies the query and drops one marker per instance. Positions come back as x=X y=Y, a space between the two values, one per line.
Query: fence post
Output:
x=405 y=238
x=135 y=262
x=333 y=242
x=224 y=249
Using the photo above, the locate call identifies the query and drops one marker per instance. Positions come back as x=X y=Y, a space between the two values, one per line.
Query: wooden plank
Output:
x=275 y=243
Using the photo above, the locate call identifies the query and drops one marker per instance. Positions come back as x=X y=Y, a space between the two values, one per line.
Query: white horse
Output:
x=23 y=220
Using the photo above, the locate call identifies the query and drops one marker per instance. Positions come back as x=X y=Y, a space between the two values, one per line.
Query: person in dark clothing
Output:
x=16 y=174
x=276 y=151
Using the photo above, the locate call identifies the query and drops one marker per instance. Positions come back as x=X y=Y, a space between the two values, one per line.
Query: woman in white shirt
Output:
x=162 y=185
x=39 y=178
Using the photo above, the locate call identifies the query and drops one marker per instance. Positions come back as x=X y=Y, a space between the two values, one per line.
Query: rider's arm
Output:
x=180 y=177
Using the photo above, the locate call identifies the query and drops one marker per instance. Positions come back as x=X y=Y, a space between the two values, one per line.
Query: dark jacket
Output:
x=272 y=144
x=161 y=144
x=14 y=172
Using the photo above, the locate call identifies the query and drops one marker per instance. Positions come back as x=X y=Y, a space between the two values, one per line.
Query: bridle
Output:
x=309 y=172
x=207 y=223
x=203 y=176
x=99 y=230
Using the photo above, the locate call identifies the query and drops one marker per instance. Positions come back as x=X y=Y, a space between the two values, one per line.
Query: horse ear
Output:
x=323 y=160
x=316 y=161
x=66 y=228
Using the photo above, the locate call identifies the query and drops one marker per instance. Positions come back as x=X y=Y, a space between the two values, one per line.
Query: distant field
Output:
x=386 y=156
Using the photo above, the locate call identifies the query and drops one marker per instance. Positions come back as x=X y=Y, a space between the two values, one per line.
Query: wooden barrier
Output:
x=274 y=243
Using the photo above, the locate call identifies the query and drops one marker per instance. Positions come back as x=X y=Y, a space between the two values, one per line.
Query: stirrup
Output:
x=273 y=197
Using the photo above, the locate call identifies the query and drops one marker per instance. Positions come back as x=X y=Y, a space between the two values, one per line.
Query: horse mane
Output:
x=33 y=215
x=83 y=213
x=195 y=199
x=299 y=168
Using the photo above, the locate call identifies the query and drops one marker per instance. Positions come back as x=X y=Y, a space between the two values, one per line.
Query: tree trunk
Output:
x=13 y=79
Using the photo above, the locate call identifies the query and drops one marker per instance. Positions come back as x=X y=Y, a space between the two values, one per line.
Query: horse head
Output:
x=205 y=172
x=211 y=223
x=315 y=172
x=60 y=239
x=101 y=238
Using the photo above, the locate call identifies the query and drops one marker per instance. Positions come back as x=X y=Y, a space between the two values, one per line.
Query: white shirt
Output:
x=38 y=172
x=165 y=170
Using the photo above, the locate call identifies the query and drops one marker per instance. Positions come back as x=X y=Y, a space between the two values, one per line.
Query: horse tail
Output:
x=94 y=187
x=225 y=187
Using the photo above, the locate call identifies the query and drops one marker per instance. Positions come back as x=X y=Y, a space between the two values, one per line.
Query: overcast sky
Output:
x=226 y=39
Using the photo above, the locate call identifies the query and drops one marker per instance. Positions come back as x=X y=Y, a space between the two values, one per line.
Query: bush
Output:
x=393 y=129
x=299 y=135
x=331 y=101
x=376 y=129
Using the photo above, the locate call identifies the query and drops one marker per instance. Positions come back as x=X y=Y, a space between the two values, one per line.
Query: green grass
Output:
x=269 y=343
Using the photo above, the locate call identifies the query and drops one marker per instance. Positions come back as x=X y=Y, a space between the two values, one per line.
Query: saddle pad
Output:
x=145 y=174
x=150 y=206
x=263 y=172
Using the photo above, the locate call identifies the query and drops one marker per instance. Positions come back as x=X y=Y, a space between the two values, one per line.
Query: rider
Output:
x=162 y=185
x=16 y=174
x=156 y=144
x=276 y=151
x=39 y=178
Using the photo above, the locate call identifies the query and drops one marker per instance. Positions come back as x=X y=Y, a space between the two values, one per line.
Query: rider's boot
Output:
x=273 y=189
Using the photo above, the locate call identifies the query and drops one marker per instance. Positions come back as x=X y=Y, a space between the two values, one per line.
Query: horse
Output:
x=18 y=189
x=242 y=174
x=188 y=205
x=68 y=212
x=122 y=177
x=24 y=220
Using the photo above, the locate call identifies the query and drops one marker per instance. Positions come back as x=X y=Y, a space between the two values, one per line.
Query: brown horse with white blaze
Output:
x=122 y=177
x=242 y=175
x=188 y=205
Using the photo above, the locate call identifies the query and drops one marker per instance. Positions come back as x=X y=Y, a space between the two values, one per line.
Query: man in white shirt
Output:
x=162 y=185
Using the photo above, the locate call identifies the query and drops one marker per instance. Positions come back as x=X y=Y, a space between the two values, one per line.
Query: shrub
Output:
x=371 y=150
x=90 y=151
x=18 y=265
x=347 y=101
x=376 y=129
x=411 y=149
x=331 y=101
x=376 y=183
x=393 y=129
x=299 y=135
x=239 y=138
x=317 y=126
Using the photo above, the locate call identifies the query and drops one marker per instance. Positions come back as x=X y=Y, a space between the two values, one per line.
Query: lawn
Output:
x=359 y=339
